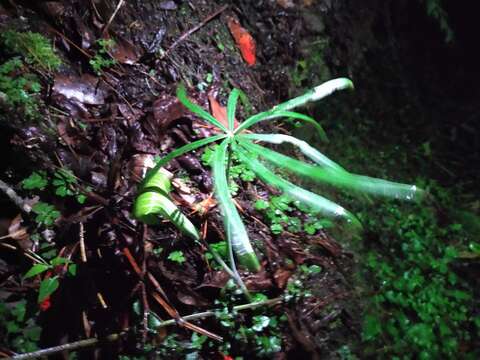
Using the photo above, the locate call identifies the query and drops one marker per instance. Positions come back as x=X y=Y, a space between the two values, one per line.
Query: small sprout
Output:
x=177 y=256
x=102 y=58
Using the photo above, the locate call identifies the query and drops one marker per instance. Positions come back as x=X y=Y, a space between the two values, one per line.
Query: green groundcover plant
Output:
x=263 y=162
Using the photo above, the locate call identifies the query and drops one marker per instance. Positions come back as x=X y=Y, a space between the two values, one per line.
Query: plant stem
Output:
x=232 y=272
x=233 y=268
x=229 y=161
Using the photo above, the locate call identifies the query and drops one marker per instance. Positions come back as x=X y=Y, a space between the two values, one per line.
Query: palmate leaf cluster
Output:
x=264 y=161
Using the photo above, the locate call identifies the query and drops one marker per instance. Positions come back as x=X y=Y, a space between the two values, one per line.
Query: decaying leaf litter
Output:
x=106 y=128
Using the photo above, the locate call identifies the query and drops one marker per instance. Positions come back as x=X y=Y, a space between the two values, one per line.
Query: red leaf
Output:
x=226 y=357
x=219 y=112
x=45 y=304
x=244 y=41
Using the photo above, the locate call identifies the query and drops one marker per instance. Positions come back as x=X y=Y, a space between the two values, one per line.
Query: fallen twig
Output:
x=12 y=195
x=119 y=5
x=114 y=337
x=68 y=347
x=195 y=28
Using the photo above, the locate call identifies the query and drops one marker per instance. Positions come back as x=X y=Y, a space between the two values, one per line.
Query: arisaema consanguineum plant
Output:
x=264 y=161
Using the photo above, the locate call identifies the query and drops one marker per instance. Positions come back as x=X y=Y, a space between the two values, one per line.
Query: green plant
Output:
x=34 y=47
x=17 y=89
x=17 y=86
x=46 y=213
x=421 y=306
x=153 y=202
x=177 y=256
x=279 y=210
x=234 y=141
x=66 y=184
x=37 y=180
x=49 y=283
x=102 y=58
x=17 y=328
x=238 y=170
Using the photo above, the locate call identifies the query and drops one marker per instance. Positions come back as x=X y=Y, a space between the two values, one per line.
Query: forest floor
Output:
x=73 y=160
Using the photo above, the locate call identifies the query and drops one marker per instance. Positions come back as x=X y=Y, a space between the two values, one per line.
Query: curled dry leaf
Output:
x=259 y=281
x=281 y=277
x=219 y=112
x=168 y=5
x=166 y=109
x=138 y=166
x=131 y=114
x=215 y=279
x=189 y=297
x=244 y=41
x=125 y=52
x=84 y=89
x=19 y=233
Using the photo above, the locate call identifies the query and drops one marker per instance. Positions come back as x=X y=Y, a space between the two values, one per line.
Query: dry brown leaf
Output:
x=219 y=112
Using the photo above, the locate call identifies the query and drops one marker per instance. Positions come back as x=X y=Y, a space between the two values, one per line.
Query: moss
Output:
x=33 y=47
x=18 y=86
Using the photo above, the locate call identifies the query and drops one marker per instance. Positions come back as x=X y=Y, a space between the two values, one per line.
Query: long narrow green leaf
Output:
x=317 y=93
x=316 y=202
x=182 y=96
x=279 y=114
x=36 y=269
x=314 y=94
x=236 y=232
x=303 y=146
x=180 y=151
x=337 y=178
x=232 y=108
x=154 y=202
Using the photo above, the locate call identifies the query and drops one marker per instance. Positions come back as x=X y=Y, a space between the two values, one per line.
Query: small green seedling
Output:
x=46 y=213
x=49 y=284
x=102 y=58
x=177 y=256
